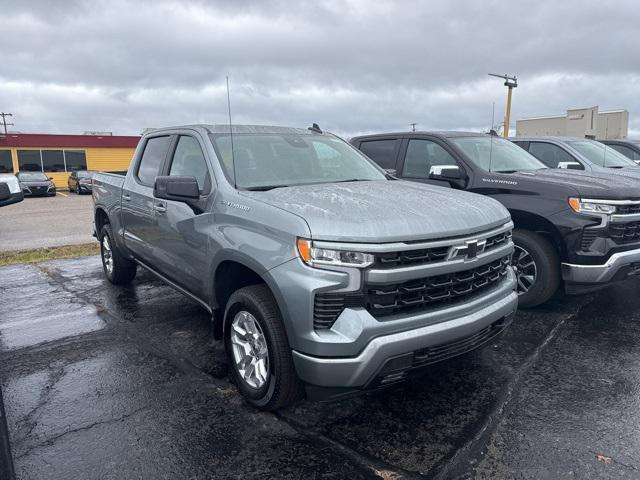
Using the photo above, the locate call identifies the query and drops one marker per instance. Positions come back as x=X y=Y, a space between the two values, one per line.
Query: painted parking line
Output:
x=63 y=194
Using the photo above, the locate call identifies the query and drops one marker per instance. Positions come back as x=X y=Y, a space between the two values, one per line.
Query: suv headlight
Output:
x=312 y=256
x=581 y=206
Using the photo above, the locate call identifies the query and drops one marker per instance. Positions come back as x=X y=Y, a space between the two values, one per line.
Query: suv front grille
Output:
x=627 y=209
x=625 y=232
x=414 y=295
x=429 y=255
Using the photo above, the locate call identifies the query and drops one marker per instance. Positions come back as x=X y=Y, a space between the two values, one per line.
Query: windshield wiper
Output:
x=351 y=180
x=264 y=188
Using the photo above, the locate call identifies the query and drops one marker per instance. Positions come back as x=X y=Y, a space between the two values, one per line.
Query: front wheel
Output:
x=258 y=350
x=537 y=268
x=117 y=269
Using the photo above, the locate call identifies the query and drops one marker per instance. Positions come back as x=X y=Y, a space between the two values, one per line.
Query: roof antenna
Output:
x=233 y=157
x=315 y=128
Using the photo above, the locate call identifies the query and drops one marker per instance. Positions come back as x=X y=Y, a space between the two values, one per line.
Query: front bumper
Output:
x=617 y=267
x=387 y=358
x=38 y=191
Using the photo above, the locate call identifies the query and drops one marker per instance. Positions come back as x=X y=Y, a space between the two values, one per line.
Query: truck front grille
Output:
x=429 y=255
x=625 y=232
x=415 y=295
x=382 y=300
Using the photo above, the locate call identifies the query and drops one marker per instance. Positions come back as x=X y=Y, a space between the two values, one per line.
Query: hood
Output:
x=606 y=185
x=386 y=211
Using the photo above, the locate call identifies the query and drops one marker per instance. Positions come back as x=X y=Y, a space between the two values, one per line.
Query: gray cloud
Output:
x=353 y=67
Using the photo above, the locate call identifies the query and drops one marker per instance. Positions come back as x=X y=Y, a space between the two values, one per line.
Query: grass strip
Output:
x=49 y=253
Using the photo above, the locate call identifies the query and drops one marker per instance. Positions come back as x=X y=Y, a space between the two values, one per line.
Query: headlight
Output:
x=590 y=207
x=323 y=256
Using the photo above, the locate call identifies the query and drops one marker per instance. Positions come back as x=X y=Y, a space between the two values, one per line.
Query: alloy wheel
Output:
x=526 y=271
x=250 y=351
x=107 y=254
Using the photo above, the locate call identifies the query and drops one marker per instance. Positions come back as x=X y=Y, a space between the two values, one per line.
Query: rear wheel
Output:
x=117 y=269
x=258 y=350
x=537 y=268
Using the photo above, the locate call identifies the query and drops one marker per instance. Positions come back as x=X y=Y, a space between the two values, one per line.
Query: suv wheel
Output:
x=537 y=268
x=118 y=269
x=258 y=350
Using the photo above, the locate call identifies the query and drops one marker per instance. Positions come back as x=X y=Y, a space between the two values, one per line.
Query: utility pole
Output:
x=4 y=120
x=510 y=83
x=413 y=126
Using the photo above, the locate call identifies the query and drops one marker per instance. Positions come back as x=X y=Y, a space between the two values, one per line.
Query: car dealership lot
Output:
x=107 y=382
x=66 y=219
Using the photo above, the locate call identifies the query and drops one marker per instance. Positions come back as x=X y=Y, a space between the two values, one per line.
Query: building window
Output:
x=76 y=160
x=6 y=165
x=52 y=161
x=29 y=160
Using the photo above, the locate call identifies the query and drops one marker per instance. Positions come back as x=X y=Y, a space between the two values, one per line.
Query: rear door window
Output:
x=383 y=152
x=626 y=151
x=422 y=155
x=153 y=157
x=550 y=154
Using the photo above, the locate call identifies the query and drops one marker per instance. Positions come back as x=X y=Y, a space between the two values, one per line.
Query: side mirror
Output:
x=445 y=172
x=179 y=188
x=570 y=165
x=5 y=193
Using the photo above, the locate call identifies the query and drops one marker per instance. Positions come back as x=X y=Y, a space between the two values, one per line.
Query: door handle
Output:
x=126 y=197
x=160 y=208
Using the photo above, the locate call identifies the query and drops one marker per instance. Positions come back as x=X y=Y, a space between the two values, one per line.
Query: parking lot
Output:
x=108 y=382
x=65 y=219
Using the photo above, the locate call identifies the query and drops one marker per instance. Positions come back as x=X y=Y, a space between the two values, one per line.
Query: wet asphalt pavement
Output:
x=110 y=382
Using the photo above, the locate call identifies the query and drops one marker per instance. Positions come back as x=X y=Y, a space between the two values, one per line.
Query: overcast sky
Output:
x=353 y=67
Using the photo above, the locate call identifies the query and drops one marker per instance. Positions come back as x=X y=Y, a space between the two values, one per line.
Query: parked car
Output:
x=577 y=154
x=628 y=148
x=80 y=181
x=36 y=184
x=318 y=268
x=9 y=190
x=571 y=227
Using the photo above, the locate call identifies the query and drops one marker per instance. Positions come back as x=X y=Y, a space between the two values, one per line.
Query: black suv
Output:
x=580 y=228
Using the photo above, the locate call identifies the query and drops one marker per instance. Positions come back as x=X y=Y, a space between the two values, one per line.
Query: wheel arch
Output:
x=536 y=223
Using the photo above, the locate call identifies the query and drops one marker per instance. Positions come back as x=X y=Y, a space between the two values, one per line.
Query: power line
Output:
x=4 y=120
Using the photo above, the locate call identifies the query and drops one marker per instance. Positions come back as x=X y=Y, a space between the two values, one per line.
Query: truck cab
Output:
x=573 y=228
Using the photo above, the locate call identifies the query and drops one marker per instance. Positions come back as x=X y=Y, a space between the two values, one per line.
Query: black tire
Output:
x=122 y=271
x=547 y=268
x=282 y=386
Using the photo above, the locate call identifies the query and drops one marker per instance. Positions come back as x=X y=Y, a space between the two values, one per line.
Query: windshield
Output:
x=602 y=155
x=32 y=176
x=496 y=154
x=85 y=174
x=264 y=161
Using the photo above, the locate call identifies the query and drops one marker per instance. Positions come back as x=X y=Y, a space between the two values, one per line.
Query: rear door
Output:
x=382 y=150
x=180 y=243
x=138 y=215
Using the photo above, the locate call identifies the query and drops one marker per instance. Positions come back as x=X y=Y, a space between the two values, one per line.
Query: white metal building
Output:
x=577 y=122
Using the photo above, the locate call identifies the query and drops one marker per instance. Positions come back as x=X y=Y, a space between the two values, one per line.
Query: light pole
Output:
x=510 y=83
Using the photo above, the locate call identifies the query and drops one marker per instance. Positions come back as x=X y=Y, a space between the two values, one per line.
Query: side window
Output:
x=422 y=155
x=6 y=166
x=383 y=152
x=154 y=154
x=626 y=151
x=549 y=154
x=189 y=160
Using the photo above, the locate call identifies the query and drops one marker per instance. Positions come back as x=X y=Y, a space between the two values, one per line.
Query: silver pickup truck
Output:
x=323 y=274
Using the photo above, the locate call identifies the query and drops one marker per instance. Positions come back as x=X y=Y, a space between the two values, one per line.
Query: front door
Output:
x=181 y=244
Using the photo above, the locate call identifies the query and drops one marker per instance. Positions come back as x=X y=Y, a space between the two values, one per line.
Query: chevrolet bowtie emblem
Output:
x=468 y=251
